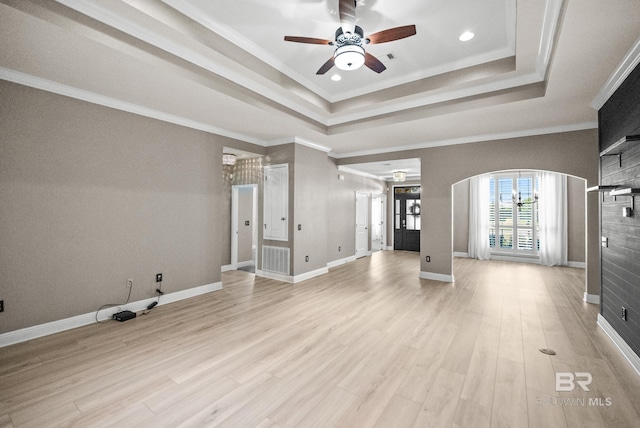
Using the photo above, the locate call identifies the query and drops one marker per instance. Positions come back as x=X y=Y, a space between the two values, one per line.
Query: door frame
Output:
x=234 y=223
x=383 y=198
x=366 y=222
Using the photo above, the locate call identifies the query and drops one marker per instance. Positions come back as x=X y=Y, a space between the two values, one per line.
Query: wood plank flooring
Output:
x=367 y=345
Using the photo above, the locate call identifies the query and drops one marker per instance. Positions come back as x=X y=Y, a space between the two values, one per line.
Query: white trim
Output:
x=297 y=140
x=550 y=25
x=340 y=262
x=226 y=268
x=292 y=279
x=460 y=254
x=94 y=98
x=628 y=64
x=578 y=265
x=626 y=351
x=436 y=276
x=308 y=275
x=360 y=173
x=518 y=259
x=436 y=98
x=46 y=329
x=245 y=264
x=390 y=248
x=591 y=298
x=162 y=39
x=276 y=276
x=473 y=139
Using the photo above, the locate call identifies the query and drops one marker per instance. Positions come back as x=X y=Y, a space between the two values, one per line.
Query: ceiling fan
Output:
x=349 y=40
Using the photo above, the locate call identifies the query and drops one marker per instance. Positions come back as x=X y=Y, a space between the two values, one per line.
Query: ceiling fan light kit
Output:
x=349 y=57
x=349 y=38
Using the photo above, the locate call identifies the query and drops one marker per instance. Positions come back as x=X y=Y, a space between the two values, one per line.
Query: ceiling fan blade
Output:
x=326 y=66
x=310 y=40
x=347 y=10
x=373 y=63
x=392 y=34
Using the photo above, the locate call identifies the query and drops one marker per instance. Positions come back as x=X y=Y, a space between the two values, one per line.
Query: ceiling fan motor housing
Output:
x=355 y=38
x=349 y=53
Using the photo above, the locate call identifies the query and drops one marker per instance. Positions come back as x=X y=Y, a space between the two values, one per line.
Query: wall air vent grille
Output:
x=275 y=259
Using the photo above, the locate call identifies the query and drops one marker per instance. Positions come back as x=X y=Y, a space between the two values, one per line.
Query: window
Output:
x=513 y=213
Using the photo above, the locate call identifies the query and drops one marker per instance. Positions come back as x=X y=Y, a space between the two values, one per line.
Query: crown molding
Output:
x=550 y=26
x=179 y=48
x=92 y=97
x=360 y=173
x=421 y=101
x=297 y=140
x=242 y=42
x=473 y=139
x=628 y=64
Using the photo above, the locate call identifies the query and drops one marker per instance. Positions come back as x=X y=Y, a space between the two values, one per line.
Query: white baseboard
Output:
x=592 y=298
x=626 y=351
x=507 y=258
x=390 y=248
x=227 y=268
x=460 y=254
x=245 y=264
x=292 y=279
x=46 y=329
x=579 y=265
x=309 y=275
x=436 y=276
x=341 y=262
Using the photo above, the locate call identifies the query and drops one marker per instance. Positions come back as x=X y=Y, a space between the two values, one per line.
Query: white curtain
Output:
x=479 y=217
x=552 y=210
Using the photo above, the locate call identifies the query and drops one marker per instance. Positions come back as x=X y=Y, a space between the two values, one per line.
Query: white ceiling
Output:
x=259 y=27
x=222 y=66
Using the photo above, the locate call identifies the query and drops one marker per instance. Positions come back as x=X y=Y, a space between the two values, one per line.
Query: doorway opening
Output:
x=244 y=227
x=362 y=222
x=378 y=222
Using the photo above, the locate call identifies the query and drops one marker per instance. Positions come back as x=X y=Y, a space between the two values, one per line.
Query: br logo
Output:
x=566 y=381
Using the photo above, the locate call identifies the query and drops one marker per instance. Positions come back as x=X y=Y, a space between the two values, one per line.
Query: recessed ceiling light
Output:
x=466 y=36
x=336 y=77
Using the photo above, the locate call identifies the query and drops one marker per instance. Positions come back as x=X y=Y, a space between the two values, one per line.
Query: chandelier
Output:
x=519 y=203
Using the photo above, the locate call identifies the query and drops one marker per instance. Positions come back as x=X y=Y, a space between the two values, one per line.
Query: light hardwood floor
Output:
x=367 y=345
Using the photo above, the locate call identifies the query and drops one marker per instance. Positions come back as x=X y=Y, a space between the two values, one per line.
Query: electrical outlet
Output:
x=428 y=259
x=158 y=277
x=129 y=283
x=624 y=314
x=339 y=248
x=1 y=305
x=306 y=259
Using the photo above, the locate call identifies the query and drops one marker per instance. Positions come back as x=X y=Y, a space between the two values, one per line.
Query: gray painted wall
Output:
x=309 y=210
x=573 y=153
x=92 y=196
x=341 y=209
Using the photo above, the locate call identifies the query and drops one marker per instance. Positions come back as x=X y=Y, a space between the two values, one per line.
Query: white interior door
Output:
x=362 y=220
x=244 y=233
x=377 y=222
x=276 y=202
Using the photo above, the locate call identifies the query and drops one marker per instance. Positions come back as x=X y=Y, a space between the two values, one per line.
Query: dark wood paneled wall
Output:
x=619 y=117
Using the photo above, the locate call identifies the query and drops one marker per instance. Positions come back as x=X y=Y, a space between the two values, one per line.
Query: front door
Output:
x=407 y=210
